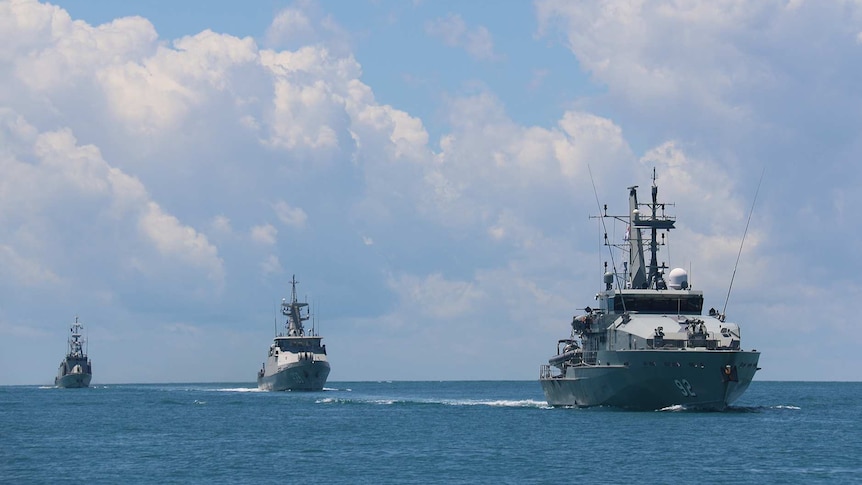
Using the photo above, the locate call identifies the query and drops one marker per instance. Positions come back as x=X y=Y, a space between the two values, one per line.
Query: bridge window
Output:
x=688 y=304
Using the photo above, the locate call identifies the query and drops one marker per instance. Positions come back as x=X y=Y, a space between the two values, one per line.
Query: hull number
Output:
x=684 y=387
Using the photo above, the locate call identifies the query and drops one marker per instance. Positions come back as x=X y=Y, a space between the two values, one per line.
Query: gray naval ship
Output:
x=647 y=344
x=76 y=370
x=297 y=359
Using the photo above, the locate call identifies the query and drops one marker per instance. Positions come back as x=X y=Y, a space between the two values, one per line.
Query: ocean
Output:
x=420 y=432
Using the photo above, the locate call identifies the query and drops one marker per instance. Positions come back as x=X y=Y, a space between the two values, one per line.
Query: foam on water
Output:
x=506 y=403
x=509 y=403
x=787 y=406
x=674 y=408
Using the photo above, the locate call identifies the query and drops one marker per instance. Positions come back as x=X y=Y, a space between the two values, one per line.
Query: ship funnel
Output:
x=677 y=279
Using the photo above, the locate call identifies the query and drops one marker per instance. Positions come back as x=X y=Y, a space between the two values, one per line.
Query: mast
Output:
x=636 y=249
x=641 y=276
x=75 y=342
x=293 y=312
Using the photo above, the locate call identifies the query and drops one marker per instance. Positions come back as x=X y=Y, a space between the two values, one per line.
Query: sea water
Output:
x=420 y=432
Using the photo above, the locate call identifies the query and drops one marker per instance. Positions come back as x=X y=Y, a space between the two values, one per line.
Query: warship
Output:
x=297 y=359
x=647 y=345
x=76 y=369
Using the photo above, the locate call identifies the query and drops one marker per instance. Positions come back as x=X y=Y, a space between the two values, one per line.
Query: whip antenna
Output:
x=724 y=310
x=605 y=230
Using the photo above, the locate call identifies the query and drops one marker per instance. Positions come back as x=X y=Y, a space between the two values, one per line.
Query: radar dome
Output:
x=677 y=279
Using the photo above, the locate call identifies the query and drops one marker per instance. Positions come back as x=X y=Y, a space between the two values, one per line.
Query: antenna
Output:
x=605 y=230
x=313 y=318
x=724 y=310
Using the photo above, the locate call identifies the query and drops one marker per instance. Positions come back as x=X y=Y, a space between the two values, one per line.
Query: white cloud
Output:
x=310 y=87
x=291 y=24
x=79 y=167
x=63 y=51
x=290 y=216
x=264 y=234
x=405 y=136
x=24 y=271
x=271 y=265
x=64 y=205
x=174 y=239
x=221 y=224
x=436 y=297
x=305 y=24
x=83 y=169
x=453 y=31
x=159 y=92
x=489 y=165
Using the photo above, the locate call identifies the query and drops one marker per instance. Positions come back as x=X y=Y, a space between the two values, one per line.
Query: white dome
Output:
x=677 y=279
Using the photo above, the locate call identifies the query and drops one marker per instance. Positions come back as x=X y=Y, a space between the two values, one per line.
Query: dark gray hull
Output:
x=298 y=376
x=73 y=380
x=654 y=379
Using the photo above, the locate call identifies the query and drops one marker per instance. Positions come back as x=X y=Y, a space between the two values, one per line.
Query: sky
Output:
x=427 y=170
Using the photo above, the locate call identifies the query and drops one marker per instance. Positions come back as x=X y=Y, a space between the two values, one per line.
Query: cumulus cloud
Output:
x=716 y=72
x=167 y=115
x=490 y=162
x=172 y=238
x=634 y=46
x=310 y=87
x=76 y=183
x=305 y=24
x=291 y=24
x=158 y=92
x=64 y=51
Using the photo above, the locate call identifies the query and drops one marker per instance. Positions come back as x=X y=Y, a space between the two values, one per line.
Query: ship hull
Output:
x=654 y=379
x=73 y=380
x=298 y=376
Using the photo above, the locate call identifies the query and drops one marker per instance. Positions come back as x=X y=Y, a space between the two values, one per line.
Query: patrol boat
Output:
x=76 y=369
x=647 y=345
x=297 y=359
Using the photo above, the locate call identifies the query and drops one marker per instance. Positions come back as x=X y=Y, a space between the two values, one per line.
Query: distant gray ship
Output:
x=297 y=360
x=76 y=369
x=647 y=345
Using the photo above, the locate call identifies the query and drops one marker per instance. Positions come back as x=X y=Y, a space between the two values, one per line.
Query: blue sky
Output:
x=423 y=168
